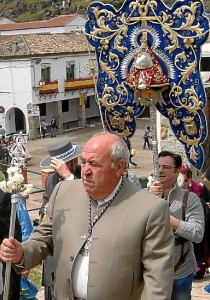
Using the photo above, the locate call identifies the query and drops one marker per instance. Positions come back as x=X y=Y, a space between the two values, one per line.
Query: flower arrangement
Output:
x=15 y=183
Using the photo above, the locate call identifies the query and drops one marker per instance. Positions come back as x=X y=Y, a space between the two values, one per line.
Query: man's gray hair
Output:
x=120 y=151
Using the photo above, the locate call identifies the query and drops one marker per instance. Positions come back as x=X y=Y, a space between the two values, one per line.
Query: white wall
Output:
x=205 y=50
x=20 y=79
x=93 y=110
x=78 y=23
x=9 y=124
x=16 y=82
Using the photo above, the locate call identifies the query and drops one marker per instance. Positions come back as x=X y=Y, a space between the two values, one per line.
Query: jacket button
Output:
x=71 y=258
x=69 y=281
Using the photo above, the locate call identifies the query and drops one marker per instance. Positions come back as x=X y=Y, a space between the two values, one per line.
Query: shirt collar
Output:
x=101 y=202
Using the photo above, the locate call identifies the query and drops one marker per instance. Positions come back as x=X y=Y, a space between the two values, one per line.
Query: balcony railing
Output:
x=49 y=87
x=81 y=83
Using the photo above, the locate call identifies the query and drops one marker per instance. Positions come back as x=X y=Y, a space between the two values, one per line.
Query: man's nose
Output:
x=86 y=169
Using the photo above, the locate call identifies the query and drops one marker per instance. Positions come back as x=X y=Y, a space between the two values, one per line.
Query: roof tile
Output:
x=33 y=45
x=54 y=22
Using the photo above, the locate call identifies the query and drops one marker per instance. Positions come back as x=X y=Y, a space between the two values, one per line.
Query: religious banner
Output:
x=149 y=53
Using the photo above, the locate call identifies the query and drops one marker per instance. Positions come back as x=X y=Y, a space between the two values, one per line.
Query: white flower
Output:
x=17 y=179
x=12 y=171
x=28 y=190
x=15 y=183
x=3 y=185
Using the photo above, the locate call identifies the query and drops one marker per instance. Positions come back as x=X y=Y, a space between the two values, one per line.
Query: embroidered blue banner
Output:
x=147 y=52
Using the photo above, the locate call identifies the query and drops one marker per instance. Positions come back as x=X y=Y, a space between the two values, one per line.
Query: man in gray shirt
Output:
x=187 y=222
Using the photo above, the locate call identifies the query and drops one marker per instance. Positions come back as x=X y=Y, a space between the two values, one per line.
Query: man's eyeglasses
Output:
x=166 y=167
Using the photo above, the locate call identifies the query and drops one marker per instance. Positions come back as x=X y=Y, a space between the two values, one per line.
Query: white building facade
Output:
x=48 y=71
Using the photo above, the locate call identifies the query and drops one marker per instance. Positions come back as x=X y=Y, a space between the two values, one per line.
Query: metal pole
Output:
x=40 y=126
x=153 y=122
x=92 y=70
x=14 y=201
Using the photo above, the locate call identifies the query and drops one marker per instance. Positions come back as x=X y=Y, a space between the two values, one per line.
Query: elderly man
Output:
x=187 y=222
x=109 y=238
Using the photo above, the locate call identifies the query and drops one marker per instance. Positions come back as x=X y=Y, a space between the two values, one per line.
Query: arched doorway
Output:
x=15 y=121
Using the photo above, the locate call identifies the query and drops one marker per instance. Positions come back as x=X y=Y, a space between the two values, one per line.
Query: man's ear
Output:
x=120 y=167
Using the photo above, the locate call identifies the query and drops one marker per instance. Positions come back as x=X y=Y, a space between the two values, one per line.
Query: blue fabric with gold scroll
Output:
x=174 y=37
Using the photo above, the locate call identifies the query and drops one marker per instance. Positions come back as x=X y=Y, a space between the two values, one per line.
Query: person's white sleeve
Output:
x=71 y=177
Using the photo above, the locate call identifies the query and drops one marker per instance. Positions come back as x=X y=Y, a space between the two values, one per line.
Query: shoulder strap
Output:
x=184 y=203
x=183 y=255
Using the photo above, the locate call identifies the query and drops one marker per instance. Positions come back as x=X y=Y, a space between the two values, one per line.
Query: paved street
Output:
x=38 y=150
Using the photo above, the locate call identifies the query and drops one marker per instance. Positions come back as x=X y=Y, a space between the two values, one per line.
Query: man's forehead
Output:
x=87 y=154
x=94 y=147
x=93 y=155
x=166 y=158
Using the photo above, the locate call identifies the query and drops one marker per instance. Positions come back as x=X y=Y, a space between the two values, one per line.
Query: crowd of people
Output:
x=103 y=236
